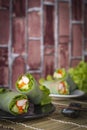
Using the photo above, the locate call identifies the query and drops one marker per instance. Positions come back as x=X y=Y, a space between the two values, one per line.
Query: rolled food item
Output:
x=26 y=84
x=59 y=73
x=13 y=102
x=63 y=86
x=57 y=87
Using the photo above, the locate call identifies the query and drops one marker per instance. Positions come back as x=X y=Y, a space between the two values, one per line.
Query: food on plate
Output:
x=13 y=102
x=64 y=86
x=57 y=87
x=59 y=73
x=38 y=94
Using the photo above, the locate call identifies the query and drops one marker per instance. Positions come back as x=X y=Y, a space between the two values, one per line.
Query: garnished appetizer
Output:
x=59 y=73
x=13 y=102
x=63 y=86
x=60 y=83
x=57 y=87
x=26 y=84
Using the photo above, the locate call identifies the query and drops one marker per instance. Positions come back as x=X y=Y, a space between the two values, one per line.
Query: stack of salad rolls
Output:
x=61 y=83
x=38 y=94
x=63 y=76
x=27 y=91
x=13 y=102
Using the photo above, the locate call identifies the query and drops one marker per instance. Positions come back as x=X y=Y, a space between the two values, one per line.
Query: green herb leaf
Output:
x=79 y=75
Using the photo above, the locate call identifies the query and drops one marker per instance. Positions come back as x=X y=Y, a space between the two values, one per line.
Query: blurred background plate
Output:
x=74 y=94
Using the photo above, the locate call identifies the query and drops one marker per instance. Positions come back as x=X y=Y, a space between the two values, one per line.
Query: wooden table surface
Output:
x=55 y=121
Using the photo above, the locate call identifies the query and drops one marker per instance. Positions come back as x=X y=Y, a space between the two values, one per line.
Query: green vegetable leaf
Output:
x=46 y=99
x=41 y=80
x=79 y=75
x=49 y=78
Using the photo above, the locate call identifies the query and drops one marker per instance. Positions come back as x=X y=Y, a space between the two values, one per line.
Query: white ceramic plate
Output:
x=74 y=94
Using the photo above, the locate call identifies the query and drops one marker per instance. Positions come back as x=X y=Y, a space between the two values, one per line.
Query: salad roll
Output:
x=59 y=73
x=63 y=86
x=13 y=102
x=26 y=84
x=57 y=87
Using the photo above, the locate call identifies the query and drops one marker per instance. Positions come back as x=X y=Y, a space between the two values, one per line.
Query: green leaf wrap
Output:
x=9 y=98
x=34 y=93
x=53 y=85
x=60 y=71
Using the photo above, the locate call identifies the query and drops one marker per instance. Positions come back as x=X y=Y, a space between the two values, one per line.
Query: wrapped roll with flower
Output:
x=13 y=102
x=26 y=84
